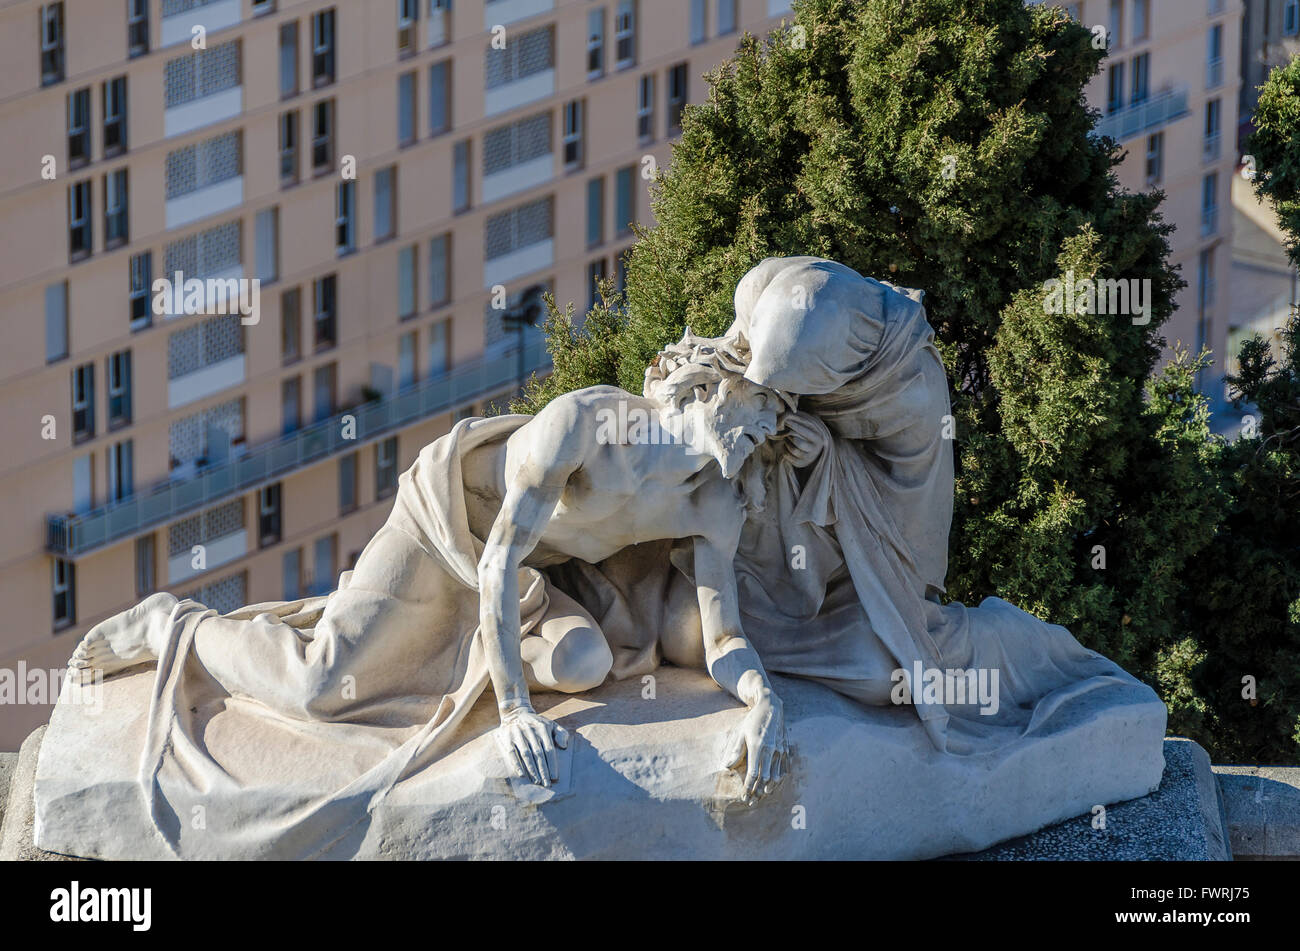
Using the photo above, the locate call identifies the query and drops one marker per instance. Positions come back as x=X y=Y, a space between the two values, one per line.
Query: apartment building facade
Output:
x=395 y=175
x=1168 y=92
x=1270 y=37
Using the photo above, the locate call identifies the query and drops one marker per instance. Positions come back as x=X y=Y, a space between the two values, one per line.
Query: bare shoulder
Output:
x=562 y=435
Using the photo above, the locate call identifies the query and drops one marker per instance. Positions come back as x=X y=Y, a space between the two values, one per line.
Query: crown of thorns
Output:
x=700 y=361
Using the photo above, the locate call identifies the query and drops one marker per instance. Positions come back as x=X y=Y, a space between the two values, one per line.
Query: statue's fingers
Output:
x=561 y=736
x=769 y=754
x=752 y=774
x=548 y=748
x=538 y=750
x=526 y=756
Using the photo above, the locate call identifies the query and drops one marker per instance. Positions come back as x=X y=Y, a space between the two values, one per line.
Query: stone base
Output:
x=642 y=781
x=1263 y=808
x=17 y=826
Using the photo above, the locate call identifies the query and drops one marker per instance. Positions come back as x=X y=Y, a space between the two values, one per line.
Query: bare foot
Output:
x=120 y=642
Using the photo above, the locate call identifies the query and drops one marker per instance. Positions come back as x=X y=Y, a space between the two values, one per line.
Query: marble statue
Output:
x=776 y=504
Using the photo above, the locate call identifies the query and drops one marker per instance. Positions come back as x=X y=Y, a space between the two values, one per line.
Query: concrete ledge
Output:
x=1263 y=809
x=1183 y=820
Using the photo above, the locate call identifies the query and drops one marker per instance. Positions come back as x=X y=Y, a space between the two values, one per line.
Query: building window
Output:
x=624 y=200
x=519 y=228
x=269 y=516
x=64 y=589
x=1155 y=158
x=79 y=229
x=288 y=149
x=1205 y=284
x=408 y=17
x=137 y=27
x=521 y=57
x=114 y=96
x=322 y=48
x=83 y=403
x=1115 y=26
x=1141 y=20
x=203 y=164
x=291 y=405
x=266 y=245
x=460 y=177
x=141 y=269
x=439 y=15
x=406 y=290
x=201 y=74
x=573 y=150
x=51 y=44
x=595 y=274
x=406 y=369
x=1213 y=133
x=1115 y=88
x=726 y=17
x=119 y=390
x=1214 y=57
x=290 y=326
x=440 y=97
x=509 y=145
x=595 y=211
x=324 y=318
x=291 y=567
x=345 y=199
x=385 y=468
x=288 y=59
x=325 y=567
x=645 y=108
x=440 y=270
x=121 y=471
x=324 y=391
x=406 y=108
x=347 y=483
x=146 y=580
x=78 y=128
x=699 y=21
x=385 y=203
x=440 y=347
x=1291 y=18
x=625 y=34
x=262 y=7
x=596 y=43
x=322 y=137
x=56 y=322
x=116 y=222
x=677 y=92
x=1209 y=204
x=1141 y=78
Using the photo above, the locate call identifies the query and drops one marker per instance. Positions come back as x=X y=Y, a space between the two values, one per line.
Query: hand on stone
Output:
x=527 y=742
x=759 y=741
x=805 y=438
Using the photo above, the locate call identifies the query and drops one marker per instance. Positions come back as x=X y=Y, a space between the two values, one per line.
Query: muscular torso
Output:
x=618 y=495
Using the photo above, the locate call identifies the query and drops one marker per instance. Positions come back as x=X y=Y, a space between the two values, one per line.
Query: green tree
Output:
x=948 y=145
x=1243 y=591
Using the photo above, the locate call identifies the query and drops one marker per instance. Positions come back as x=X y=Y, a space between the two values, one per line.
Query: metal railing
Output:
x=76 y=534
x=1159 y=110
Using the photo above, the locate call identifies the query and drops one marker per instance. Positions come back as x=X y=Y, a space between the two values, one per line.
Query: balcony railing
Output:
x=1161 y=109
x=72 y=535
x=1212 y=148
x=1214 y=73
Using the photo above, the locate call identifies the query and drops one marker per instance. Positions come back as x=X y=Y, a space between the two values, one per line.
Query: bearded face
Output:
x=730 y=418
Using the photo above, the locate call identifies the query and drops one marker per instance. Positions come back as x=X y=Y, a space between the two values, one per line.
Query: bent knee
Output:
x=580 y=660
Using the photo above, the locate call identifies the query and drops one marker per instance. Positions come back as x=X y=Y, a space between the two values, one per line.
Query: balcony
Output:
x=501 y=12
x=1160 y=110
x=526 y=260
x=1212 y=148
x=74 y=535
x=179 y=17
x=1214 y=73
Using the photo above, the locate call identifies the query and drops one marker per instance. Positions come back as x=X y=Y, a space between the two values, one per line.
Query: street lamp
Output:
x=524 y=314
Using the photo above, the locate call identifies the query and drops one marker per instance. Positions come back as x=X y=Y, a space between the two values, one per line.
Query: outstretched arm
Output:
x=527 y=740
x=735 y=667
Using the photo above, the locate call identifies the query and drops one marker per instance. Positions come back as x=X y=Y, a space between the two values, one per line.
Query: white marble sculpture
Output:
x=777 y=502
